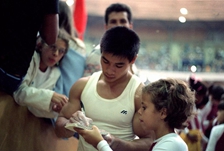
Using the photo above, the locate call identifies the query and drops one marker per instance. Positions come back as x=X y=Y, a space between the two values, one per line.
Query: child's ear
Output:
x=39 y=46
x=38 y=43
x=163 y=113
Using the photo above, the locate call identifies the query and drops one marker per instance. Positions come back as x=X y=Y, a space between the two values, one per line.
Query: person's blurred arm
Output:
x=213 y=139
x=93 y=62
x=50 y=28
x=50 y=22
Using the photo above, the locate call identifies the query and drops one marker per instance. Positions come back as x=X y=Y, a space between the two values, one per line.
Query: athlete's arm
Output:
x=68 y=111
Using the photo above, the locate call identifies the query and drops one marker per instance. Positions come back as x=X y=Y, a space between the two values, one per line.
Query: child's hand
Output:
x=59 y=100
x=56 y=108
x=92 y=136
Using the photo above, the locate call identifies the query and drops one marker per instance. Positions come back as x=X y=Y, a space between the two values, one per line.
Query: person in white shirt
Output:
x=111 y=97
x=36 y=90
x=216 y=138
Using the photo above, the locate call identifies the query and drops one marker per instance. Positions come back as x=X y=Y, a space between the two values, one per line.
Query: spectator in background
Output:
x=216 y=139
x=209 y=112
x=73 y=64
x=36 y=90
x=193 y=134
x=21 y=24
x=201 y=91
x=116 y=14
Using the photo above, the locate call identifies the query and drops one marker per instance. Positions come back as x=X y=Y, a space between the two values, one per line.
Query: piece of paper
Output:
x=70 y=126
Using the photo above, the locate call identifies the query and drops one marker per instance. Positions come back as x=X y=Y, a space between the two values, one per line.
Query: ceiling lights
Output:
x=183 y=11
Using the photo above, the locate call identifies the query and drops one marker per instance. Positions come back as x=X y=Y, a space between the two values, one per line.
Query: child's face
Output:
x=50 y=55
x=220 y=116
x=149 y=116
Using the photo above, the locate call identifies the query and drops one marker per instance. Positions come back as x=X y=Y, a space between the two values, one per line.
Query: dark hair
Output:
x=221 y=105
x=120 y=41
x=118 y=7
x=198 y=86
x=216 y=91
x=175 y=96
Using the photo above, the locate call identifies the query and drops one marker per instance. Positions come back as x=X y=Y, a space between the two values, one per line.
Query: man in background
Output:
x=116 y=14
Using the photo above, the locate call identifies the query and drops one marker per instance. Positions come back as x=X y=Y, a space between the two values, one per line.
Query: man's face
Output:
x=118 y=19
x=114 y=67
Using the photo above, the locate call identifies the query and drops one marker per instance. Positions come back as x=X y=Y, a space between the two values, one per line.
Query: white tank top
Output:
x=112 y=115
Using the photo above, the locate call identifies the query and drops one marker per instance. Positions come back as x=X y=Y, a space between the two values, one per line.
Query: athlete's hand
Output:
x=80 y=118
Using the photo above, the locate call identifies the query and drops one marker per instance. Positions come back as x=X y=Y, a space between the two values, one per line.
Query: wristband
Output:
x=103 y=146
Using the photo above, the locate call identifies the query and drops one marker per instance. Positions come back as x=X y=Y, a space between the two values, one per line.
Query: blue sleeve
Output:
x=72 y=68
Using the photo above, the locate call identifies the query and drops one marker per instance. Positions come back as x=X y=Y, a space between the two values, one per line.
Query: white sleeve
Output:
x=26 y=95
x=171 y=144
x=213 y=139
x=103 y=146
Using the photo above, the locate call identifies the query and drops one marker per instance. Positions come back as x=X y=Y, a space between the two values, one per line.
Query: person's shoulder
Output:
x=170 y=138
x=172 y=142
x=83 y=80
x=96 y=50
x=35 y=61
x=93 y=58
x=80 y=43
x=78 y=46
x=218 y=128
x=80 y=83
x=36 y=55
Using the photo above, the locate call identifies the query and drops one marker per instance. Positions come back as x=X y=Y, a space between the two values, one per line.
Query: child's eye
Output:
x=61 y=51
x=143 y=107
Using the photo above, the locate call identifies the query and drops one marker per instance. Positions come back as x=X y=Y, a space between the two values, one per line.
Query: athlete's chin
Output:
x=109 y=78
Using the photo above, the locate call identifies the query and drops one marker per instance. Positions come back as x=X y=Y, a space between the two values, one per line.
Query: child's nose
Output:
x=56 y=52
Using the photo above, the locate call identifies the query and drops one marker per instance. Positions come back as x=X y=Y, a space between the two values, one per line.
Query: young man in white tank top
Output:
x=111 y=97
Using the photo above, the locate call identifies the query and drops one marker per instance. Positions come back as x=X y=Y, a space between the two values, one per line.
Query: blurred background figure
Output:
x=209 y=112
x=193 y=134
x=201 y=91
x=217 y=134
